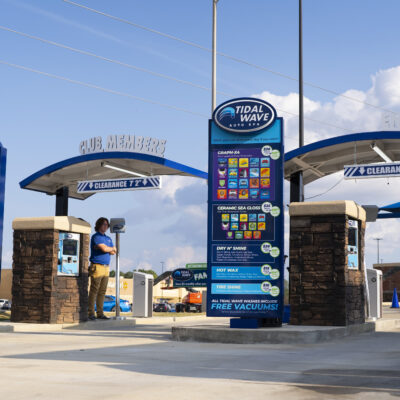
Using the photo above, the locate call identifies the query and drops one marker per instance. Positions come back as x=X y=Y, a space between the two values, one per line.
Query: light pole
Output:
x=214 y=58
x=162 y=266
x=296 y=179
x=377 y=247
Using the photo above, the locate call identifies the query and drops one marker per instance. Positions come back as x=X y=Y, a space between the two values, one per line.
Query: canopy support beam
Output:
x=62 y=201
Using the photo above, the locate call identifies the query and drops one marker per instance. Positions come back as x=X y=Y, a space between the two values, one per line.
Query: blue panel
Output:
x=273 y=135
x=245 y=323
x=3 y=161
x=245 y=224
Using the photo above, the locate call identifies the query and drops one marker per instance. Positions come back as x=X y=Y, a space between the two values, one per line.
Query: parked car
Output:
x=7 y=305
x=2 y=303
x=162 y=307
x=109 y=304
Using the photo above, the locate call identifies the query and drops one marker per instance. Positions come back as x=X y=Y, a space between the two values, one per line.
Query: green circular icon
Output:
x=266 y=207
x=275 y=211
x=266 y=247
x=274 y=252
x=266 y=287
x=275 y=154
x=266 y=269
x=274 y=291
x=274 y=274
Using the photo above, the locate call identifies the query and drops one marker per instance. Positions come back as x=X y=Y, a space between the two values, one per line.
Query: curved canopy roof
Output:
x=326 y=157
x=92 y=166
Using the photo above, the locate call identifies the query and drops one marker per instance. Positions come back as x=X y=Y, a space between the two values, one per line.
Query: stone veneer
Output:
x=39 y=295
x=322 y=290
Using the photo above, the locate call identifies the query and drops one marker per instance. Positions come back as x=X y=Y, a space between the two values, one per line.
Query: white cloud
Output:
x=355 y=116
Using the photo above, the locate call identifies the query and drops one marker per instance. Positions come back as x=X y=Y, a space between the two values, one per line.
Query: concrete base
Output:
x=88 y=325
x=287 y=334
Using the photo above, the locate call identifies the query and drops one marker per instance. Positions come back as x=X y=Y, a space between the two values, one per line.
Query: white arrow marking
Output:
x=362 y=170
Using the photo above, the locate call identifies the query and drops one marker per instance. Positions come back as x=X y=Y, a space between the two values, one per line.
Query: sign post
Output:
x=245 y=214
x=117 y=226
x=3 y=161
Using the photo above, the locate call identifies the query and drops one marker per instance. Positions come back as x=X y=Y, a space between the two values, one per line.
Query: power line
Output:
x=92 y=86
x=134 y=67
x=326 y=191
x=90 y=54
x=232 y=58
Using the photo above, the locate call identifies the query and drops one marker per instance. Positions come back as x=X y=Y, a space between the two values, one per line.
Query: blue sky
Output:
x=349 y=46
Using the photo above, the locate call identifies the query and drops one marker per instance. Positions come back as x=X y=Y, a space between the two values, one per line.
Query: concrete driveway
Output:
x=143 y=363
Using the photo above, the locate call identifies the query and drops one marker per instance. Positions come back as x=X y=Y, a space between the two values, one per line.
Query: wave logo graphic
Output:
x=245 y=115
x=227 y=112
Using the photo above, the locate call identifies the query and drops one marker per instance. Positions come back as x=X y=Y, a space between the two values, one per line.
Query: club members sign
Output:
x=133 y=143
x=245 y=211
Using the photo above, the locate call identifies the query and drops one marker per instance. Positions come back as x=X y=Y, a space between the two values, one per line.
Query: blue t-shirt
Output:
x=96 y=255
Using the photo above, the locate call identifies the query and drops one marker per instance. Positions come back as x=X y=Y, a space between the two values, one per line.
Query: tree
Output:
x=149 y=271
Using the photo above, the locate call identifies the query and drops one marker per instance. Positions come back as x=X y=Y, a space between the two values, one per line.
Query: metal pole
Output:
x=214 y=58
x=299 y=179
x=377 y=248
x=301 y=106
x=117 y=295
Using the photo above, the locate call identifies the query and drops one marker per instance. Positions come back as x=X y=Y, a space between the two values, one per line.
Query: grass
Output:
x=5 y=315
x=174 y=314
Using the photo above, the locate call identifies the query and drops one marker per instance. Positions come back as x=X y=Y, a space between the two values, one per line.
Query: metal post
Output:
x=377 y=248
x=117 y=295
x=214 y=58
x=296 y=180
x=62 y=201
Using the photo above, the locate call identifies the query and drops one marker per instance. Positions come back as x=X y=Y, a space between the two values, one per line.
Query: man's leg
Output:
x=94 y=289
x=100 y=295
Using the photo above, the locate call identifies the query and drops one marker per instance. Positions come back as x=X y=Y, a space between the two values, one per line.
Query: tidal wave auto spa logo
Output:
x=244 y=115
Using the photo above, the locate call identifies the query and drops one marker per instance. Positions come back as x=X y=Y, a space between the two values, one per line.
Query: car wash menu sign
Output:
x=245 y=211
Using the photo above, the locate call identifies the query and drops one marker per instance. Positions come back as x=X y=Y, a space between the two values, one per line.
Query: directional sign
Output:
x=361 y=171
x=196 y=266
x=114 y=185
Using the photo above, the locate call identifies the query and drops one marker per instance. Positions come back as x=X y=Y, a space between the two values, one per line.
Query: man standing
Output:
x=101 y=247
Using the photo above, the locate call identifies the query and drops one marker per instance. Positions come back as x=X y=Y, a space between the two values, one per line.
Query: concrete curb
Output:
x=88 y=325
x=285 y=335
x=382 y=325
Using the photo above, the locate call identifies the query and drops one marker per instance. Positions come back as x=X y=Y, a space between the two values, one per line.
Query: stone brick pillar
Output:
x=322 y=289
x=390 y=279
x=39 y=294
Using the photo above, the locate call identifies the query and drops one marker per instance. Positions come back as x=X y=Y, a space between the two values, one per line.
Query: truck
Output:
x=190 y=303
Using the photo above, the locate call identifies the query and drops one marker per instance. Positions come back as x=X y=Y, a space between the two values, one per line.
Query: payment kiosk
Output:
x=68 y=254
x=352 y=244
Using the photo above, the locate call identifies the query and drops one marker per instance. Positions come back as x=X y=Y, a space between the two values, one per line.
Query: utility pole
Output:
x=377 y=248
x=296 y=179
x=214 y=59
x=162 y=266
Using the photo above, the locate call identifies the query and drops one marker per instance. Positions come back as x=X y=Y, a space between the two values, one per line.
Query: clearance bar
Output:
x=386 y=170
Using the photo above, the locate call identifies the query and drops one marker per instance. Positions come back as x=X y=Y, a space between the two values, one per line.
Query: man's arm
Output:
x=107 y=249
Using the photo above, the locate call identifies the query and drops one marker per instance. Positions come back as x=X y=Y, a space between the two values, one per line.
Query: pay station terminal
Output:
x=68 y=254
x=352 y=245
